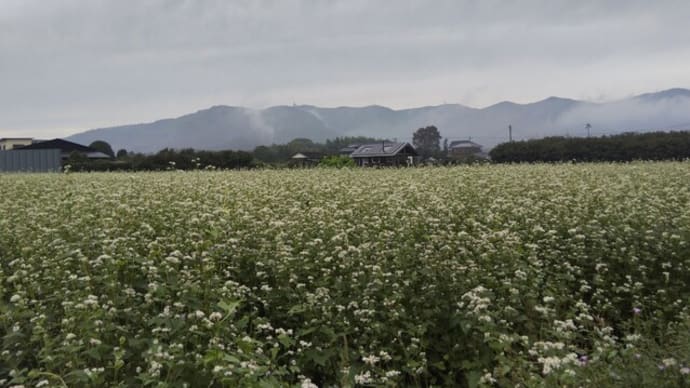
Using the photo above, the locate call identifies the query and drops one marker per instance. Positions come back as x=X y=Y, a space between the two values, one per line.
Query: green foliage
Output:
x=76 y=158
x=521 y=275
x=619 y=148
x=169 y=159
x=277 y=155
x=646 y=361
x=104 y=147
x=337 y=161
x=281 y=153
x=466 y=159
x=427 y=141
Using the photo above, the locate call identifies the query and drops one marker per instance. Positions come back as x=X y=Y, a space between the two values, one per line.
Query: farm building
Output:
x=66 y=148
x=464 y=149
x=30 y=155
x=30 y=161
x=384 y=154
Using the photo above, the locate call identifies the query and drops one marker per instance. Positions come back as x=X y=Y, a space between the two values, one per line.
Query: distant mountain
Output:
x=666 y=94
x=225 y=127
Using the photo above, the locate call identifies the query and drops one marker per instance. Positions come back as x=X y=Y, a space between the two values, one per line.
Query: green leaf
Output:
x=285 y=340
x=246 y=346
x=472 y=378
x=269 y=383
x=319 y=358
x=297 y=309
x=211 y=356
x=94 y=354
x=229 y=306
x=77 y=376
x=231 y=359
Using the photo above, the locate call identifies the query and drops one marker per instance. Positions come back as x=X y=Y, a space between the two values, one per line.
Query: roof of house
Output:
x=62 y=145
x=308 y=155
x=382 y=149
x=349 y=149
x=463 y=144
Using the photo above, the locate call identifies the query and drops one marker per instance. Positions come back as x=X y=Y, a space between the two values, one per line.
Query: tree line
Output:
x=277 y=155
x=165 y=159
x=426 y=140
x=616 y=148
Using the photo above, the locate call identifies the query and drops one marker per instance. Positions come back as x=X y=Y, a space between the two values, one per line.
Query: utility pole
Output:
x=510 y=133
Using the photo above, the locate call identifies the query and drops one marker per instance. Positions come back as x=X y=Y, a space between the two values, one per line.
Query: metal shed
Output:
x=47 y=160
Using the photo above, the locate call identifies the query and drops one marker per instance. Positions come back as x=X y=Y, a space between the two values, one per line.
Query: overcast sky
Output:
x=72 y=65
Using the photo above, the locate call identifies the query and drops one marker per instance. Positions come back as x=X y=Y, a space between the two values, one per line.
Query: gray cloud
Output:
x=68 y=65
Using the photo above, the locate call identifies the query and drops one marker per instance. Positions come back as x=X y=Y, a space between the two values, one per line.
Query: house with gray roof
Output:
x=465 y=149
x=347 y=151
x=384 y=154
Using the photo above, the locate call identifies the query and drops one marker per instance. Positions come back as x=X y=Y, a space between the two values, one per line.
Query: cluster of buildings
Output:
x=387 y=154
x=29 y=154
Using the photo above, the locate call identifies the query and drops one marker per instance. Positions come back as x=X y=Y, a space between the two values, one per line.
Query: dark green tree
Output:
x=302 y=144
x=104 y=147
x=624 y=147
x=427 y=141
x=121 y=154
x=337 y=161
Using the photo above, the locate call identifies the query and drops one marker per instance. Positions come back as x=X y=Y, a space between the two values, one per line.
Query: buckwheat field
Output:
x=540 y=275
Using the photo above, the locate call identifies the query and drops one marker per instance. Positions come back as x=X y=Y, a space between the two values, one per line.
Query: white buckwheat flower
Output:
x=215 y=316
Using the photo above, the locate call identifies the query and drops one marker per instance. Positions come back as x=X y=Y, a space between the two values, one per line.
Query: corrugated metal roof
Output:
x=61 y=144
x=349 y=149
x=381 y=149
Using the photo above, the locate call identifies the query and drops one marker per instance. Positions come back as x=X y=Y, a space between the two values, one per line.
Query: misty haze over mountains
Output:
x=225 y=127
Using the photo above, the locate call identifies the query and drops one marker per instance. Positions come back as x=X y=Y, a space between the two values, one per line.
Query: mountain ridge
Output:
x=234 y=127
